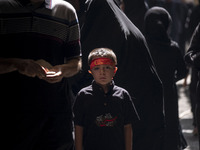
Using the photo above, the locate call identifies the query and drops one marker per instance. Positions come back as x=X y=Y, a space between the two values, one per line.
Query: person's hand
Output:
x=30 y=68
x=53 y=75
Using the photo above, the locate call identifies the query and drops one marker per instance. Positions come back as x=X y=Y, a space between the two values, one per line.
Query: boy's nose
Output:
x=102 y=70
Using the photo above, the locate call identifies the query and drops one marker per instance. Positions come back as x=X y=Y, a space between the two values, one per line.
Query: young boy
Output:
x=103 y=112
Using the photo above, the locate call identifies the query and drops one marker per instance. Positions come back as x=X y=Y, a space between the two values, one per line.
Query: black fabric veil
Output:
x=170 y=67
x=157 y=24
x=107 y=26
x=135 y=11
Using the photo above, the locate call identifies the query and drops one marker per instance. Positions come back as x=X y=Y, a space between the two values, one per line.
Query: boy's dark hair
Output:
x=102 y=52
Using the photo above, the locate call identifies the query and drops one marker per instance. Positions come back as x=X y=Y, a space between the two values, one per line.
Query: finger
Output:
x=41 y=72
x=53 y=74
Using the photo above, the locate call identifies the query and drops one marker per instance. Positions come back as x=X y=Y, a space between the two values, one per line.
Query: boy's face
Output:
x=103 y=74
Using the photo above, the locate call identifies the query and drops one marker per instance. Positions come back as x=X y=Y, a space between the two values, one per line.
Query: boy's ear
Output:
x=115 y=69
x=90 y=71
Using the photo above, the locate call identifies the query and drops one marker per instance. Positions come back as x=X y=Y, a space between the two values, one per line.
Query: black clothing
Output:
x=193 y=94
x=194 y=20
x=192 y=57
x=107 y=26
x=135 y=11
x=171 y=67
x=38 y=131
x=103 y=116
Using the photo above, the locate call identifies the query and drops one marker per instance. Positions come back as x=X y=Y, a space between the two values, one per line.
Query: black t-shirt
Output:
x=103 y=116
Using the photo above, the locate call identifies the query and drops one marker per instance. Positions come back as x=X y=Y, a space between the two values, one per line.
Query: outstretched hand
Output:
x=30 y=68
x=44 y=70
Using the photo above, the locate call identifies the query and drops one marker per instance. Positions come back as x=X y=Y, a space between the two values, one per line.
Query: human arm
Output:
x=71 y=46
x=70 y=68
x=131 y=117
x=181 y=68
x=192 y=56
x=128 y=136
x=65 y=70
x=78 y=137
x=79 y=118
x=31 y=68
x=26 y=67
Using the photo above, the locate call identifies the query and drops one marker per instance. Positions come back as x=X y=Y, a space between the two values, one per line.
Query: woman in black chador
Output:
x=170 y=66
x=107 y=26
x=192 y=58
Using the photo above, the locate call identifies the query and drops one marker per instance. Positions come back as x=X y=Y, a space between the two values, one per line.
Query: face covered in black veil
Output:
x=107 y=26
x=157 y=24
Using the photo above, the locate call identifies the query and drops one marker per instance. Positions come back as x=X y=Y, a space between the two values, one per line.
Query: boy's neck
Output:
x=105 y=88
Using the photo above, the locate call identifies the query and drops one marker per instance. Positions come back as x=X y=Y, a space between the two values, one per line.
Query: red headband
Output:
x=101 y=61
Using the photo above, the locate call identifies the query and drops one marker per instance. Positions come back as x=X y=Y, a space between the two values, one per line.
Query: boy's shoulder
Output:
x=122 y=93
x=86 y=90
x=120 y=89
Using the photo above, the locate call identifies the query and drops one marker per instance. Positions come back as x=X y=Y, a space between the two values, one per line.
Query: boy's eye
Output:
x=96 y=68
x=108 y=67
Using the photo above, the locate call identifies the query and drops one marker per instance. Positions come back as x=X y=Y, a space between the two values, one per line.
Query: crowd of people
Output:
x=105 y=69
